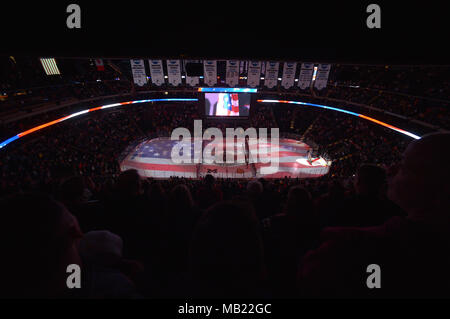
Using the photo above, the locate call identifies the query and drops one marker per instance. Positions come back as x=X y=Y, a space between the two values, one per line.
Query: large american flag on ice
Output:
x=292 y=160
x=153 y=159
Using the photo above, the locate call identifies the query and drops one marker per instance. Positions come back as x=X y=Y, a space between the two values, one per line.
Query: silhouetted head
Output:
x=226 y=256
x=129 y=183
x=38 y=241
x=299 y=201
x=254 y=188
x=209 y=179
x=180 y=198
x=421 y=185
x=155 y=191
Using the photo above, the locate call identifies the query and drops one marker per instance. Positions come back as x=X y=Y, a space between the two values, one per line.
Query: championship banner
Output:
x=271 y=76
x=192 y=80
x=174 y=72
x=156 y=72
x=323 y=70
x=254 y=74
x=232 y=76
x=99 y=64
x=138 y=70
x=210 y=72
x=288 y=78
x=305 y=77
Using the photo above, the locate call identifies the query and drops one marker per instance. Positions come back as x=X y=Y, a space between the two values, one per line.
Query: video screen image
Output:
x=227 y=104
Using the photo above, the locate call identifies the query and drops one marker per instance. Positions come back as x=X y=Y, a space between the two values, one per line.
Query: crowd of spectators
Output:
x=422 y=80
x=352 y=141
x=92 y=143
x=30 y=99
x=178 y=238
x=425 y=110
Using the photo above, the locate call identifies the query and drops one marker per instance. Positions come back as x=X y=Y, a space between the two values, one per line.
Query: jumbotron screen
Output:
x=227 y=104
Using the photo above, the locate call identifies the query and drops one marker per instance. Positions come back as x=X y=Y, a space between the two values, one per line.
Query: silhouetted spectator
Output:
x=369 y=207
x=179 y=223
x=208 y=193
x=227 y=256
x=411 y=251
x=254 y=193
x=75 y=196
x=130 y=215
x=176 y=234
x=106 y=274
x=289 y=236
x=38 y=241
x=328 y=204
x=129 y=184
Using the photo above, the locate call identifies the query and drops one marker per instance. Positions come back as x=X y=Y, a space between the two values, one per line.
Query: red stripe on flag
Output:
x=162 y=167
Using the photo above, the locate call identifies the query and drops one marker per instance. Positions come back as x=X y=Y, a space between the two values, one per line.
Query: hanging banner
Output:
x=173 y=72
x=254 y=74
x=99 y=64
x=288 y=78
x=232 y=76
x=192 y=80
x=305 y=77
x=271 y=76
x=210 y=72
x=138 y=71
x=156 y=72
x=323 y=70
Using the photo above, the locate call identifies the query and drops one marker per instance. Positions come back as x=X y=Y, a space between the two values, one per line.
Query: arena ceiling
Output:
x=410 y=34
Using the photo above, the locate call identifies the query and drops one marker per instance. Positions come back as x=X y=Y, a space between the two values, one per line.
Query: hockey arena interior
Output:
x=358 y=156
